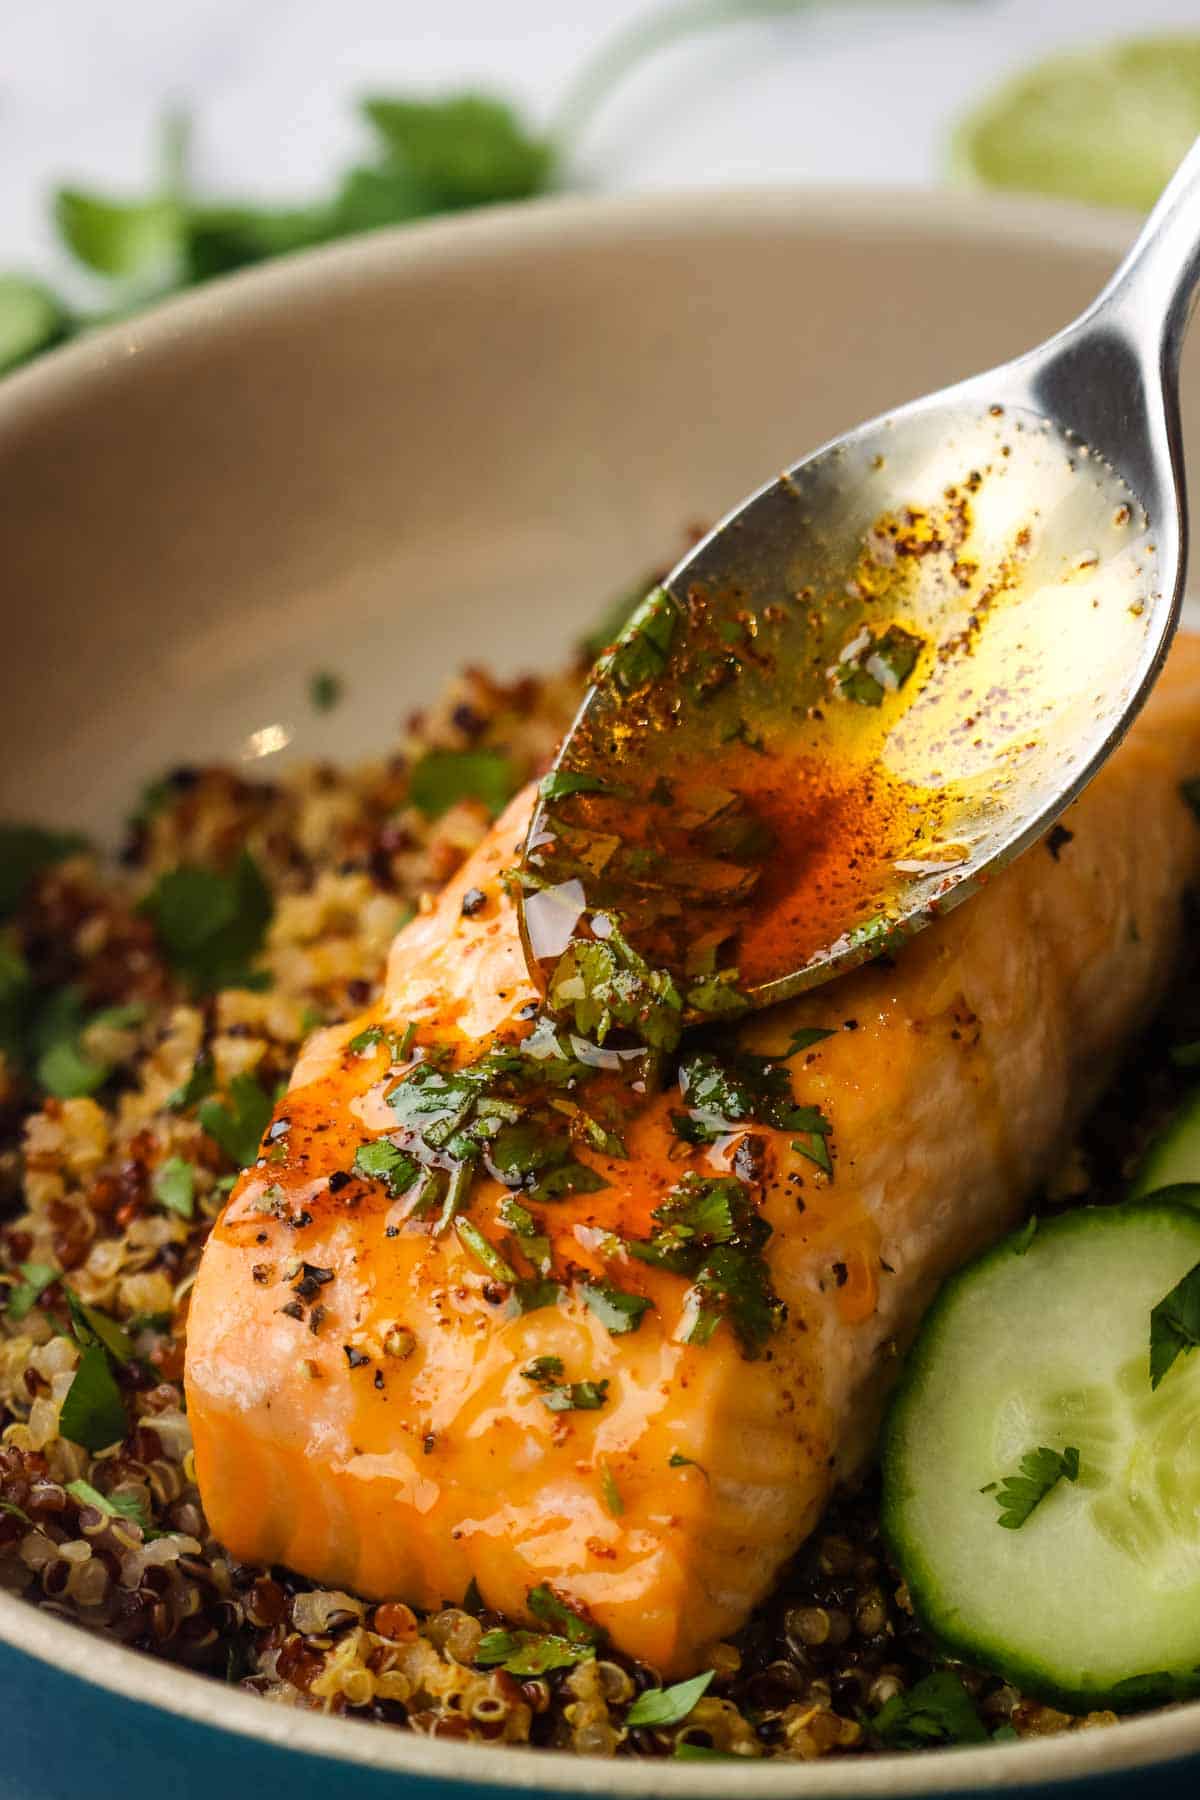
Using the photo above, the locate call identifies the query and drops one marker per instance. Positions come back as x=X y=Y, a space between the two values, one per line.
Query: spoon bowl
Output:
x=882 y=676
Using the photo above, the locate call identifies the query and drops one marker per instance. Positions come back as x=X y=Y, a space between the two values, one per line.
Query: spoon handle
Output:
x=1153 y=292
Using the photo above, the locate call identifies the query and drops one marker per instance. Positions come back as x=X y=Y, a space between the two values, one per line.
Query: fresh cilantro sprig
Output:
x=1175 y=1325
x=211 y=926
x=1041 y=1470
x=937 y=1710
x=671 y=1705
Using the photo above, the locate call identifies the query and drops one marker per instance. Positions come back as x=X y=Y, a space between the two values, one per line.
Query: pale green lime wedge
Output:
x=1106 y=126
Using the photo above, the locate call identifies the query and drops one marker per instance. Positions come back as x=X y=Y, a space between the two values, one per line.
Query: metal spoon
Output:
x=887 y=672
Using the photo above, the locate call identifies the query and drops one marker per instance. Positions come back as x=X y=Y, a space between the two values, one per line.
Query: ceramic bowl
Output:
x=444 y=444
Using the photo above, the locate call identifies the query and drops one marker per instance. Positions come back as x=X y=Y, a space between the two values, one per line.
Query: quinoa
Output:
x=346 y=855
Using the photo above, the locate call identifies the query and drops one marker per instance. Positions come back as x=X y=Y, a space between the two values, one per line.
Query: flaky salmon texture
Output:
x=363 y=1390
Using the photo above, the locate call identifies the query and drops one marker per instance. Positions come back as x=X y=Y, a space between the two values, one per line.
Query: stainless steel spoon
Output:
x=884 y=674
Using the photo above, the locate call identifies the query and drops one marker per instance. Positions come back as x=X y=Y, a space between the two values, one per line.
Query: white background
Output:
x=849 y=92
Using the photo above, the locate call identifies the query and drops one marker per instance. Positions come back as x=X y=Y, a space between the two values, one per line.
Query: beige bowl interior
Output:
x=454 y=444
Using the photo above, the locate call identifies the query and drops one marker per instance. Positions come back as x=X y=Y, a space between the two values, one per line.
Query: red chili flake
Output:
x=293 y=1309
x=357 y=1359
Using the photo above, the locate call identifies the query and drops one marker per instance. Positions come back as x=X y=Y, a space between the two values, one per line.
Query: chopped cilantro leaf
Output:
x=93 y=1412
x=15 y=1512
x=735 y=1283
x=545 y=1605
x=91 y=1326
x=211 y=926
x=116 y=1506
x=604 y=982
x=198 y=1086
x=386 y=1162
x=561 y=782
x=1041 y=1470
x=723 y=1092
x=937 y=1710
x=576 y=1396
x=238 y=1122
x=543 y=1371
x=640 y=653
x=62 y=1066
x=529 y=1652
x=174 y=1186
x=366 y=1040
x=1175 y=1325
x=25 y=850
x=24 y=1295
x=531 y=1296
x=442 y=778
x=618 y=1312
x=686 y=1752
x=324 y=690
x=806 y=1037
x=671 y=1705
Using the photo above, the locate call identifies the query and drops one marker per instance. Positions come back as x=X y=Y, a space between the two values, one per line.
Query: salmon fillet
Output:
x=360 y=1390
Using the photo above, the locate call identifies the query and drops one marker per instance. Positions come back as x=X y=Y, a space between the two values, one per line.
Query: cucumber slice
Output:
x=1095 y=1599
x=1174 y=1156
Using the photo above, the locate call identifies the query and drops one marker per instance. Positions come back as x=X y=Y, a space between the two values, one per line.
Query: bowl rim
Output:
x=965 y=217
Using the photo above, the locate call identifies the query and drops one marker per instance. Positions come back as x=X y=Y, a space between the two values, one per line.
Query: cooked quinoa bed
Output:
x=114 y=1187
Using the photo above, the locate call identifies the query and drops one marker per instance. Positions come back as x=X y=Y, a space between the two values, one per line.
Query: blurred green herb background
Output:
x=1105 y=126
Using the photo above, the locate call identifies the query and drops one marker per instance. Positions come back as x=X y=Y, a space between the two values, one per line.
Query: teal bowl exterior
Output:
x=204 y=504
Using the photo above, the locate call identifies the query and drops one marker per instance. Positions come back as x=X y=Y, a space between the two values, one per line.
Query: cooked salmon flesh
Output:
x=401 y=1383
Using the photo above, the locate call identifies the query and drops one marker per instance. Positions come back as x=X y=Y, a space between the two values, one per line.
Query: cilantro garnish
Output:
x=543 y=1371
x=879 y=665
x=531 y=1296
x=529 y=1652
x=116 y=1506
x=441 y=778
x=25 y=850
x=734 y=1283
x=671 y=1705
x=198 y=1086
x=174 y=1186
x=561 y=782
x=24 y=1295
x=1175 y=1325
x=52 y=1040
x=386 y=1162
x=93 y=1412
x=806 y=1037
x=723 y=1092
x=1041 y=1471
x=211 y=926
x=324 y=690
x=603 y=982
x=711 y=1231
x=937 y=1710
x=237 y=1123
x=618 y=1312
x=575 y=1396
x=640 y=652
x=545 y=1605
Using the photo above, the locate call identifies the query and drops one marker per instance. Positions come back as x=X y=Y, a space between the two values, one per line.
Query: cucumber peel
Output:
x=1095 y=1600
